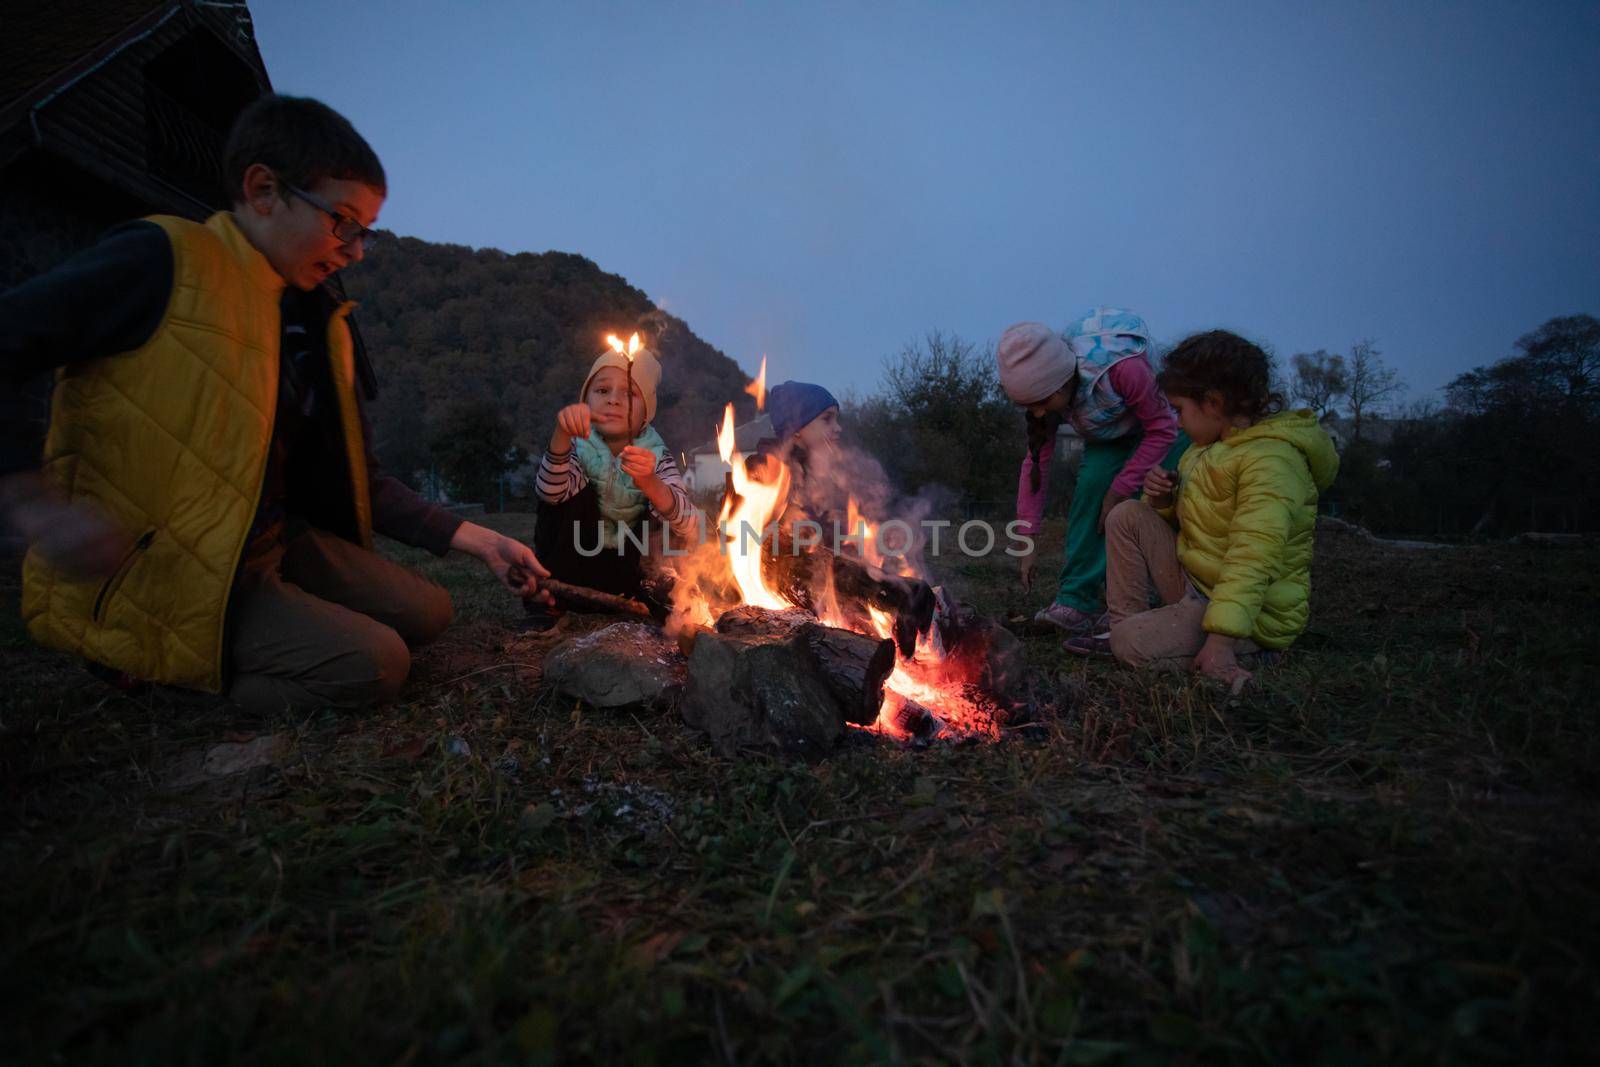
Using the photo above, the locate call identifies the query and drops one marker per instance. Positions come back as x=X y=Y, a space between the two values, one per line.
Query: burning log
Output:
x=782 y=679
x=980 y=648
x=582 y=598
x=910 y=601
x=854 y=665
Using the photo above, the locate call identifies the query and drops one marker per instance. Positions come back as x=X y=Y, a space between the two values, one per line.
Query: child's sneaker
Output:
x=1089 y=644
x=1070 y=619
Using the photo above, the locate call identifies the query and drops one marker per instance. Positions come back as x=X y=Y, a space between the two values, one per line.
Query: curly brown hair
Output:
x=1226 y=364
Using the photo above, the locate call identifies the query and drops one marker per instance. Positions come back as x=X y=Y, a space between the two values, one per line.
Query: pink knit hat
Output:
x=1034 y=362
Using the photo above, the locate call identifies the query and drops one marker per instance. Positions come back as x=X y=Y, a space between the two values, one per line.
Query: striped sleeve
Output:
x=559 y=478
x=683 y=517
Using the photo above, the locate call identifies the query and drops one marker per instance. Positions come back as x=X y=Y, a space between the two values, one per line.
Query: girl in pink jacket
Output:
x=1097 y=377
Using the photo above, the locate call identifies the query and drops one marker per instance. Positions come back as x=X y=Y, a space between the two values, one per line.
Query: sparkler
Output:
x=630 y=350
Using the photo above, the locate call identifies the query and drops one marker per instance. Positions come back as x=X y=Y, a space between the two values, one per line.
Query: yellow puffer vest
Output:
x=171 y=440
x=1247 y=510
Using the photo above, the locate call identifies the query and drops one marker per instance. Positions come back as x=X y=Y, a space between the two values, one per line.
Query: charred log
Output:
x=857 y=586
x=760 y=691
x=855 y=666
x=980 y=648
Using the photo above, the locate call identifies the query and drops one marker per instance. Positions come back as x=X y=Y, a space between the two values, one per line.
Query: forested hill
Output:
x=446 y=325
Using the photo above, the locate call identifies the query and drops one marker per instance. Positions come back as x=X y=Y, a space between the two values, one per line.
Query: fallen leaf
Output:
x=1255 y=817
x=407 y=750
x=537 y=816
x=228 y=759
x=989 y=902
x=657 y=947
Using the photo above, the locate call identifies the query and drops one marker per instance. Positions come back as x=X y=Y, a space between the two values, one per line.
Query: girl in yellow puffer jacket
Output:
x=1234 y=577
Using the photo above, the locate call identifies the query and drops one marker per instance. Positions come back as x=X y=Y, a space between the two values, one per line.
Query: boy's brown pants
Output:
x=1141 y=561
x=321 y=622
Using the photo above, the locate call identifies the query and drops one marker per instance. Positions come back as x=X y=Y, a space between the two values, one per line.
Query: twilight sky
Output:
x=822 y=182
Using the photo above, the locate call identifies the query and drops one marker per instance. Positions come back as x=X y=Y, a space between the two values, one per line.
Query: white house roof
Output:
x=745 y=437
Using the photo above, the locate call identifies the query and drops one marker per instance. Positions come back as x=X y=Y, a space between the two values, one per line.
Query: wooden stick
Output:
x=582 y=598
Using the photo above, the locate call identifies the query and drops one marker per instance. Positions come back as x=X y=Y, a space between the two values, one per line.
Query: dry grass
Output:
x=1382 y=852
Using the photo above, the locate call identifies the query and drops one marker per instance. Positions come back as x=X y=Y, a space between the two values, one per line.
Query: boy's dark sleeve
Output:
x=107 y=299
x=397 y=510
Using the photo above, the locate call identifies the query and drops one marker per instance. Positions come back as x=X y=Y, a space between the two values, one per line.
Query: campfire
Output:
x=786 y=642
x=770 y=617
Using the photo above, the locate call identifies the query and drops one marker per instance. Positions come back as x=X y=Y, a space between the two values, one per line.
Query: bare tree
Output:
x=1421 y=410
x=1566 y=352
x=1320 y=380
x=938 y=416
x=1370 y=383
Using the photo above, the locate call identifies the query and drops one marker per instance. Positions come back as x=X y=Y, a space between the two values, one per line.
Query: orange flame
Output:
x=725 y=438
x=857 y=523
x=745 y=516
x=928 y=677
x=758 y=388
x=882 y=621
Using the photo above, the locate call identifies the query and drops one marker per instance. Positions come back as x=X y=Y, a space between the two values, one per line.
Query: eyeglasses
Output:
x=345 y=228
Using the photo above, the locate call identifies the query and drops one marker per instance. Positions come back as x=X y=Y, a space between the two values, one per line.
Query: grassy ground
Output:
x=1384 y=851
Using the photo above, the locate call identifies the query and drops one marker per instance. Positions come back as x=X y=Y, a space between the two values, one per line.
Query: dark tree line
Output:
x=940 y=420
x=1511 y=450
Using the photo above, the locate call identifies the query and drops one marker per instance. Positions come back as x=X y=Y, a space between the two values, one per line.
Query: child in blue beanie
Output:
x=805 y=425
x=795 y=406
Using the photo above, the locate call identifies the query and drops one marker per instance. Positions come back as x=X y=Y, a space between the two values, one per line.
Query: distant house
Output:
x=113 y=109
x=1069 y=445
x=703 y=466
x=1375 y=429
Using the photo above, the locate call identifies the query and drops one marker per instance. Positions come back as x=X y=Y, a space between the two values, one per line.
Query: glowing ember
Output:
x=924 y=679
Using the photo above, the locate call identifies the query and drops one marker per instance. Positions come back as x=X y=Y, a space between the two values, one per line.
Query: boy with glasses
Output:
x=204 y=512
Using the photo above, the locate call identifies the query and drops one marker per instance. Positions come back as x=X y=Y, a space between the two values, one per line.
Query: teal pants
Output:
x=1083 y=579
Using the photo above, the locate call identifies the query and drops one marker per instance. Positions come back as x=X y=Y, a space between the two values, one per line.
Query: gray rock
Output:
x=625 y=665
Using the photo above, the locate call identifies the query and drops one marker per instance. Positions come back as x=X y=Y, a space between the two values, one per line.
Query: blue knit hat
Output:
x=793 y=404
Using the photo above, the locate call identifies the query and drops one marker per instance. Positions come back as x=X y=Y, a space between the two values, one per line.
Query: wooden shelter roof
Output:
x=138 y=94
